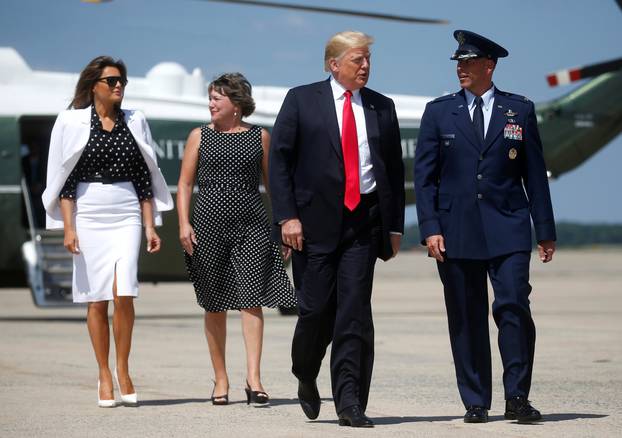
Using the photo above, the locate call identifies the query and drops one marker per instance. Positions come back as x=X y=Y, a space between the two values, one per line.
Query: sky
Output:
x=285 y=48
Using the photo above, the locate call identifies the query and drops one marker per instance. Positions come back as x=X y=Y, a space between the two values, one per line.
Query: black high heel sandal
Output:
x=255 y=397
x=219 y=400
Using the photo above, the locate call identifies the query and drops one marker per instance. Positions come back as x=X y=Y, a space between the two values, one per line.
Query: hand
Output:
x=286 y=251
x=291 y=234
x=436 y=246
x=71 y=241
x=153 y=241
x=187 y=238
x=546 y=249
x=396 y=240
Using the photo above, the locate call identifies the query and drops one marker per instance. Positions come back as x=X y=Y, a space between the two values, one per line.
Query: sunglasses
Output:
x=112 y=81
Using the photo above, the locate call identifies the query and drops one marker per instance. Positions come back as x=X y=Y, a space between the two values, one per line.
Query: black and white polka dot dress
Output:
x=235 y=264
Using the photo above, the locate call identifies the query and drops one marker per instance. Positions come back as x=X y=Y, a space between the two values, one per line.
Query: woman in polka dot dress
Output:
x=231 y=260
x=103 y=183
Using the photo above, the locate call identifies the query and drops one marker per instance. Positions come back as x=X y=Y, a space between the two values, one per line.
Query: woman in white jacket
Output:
x=102 y=183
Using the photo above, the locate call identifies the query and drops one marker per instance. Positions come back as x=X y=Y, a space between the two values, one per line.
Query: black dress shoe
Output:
x=353 y=416
x=476 y=414
x=309 y=398
x=519 y=408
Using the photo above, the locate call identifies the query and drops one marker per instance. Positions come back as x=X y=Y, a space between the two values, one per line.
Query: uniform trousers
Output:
x=466 y=300
x=334 y=305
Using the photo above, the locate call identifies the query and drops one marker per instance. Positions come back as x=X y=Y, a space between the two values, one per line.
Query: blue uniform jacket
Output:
x=480 y=196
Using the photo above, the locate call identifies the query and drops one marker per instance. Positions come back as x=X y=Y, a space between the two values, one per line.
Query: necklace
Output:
x=234 y=130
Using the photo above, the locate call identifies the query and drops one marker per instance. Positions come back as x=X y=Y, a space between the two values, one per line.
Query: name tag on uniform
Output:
x=447 y=138
x=513 y=132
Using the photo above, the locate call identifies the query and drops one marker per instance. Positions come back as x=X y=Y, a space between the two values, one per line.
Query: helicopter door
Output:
x=35 y=140
x=48 y=264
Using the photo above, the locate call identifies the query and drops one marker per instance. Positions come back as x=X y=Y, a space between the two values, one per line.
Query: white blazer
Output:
x=70 y=135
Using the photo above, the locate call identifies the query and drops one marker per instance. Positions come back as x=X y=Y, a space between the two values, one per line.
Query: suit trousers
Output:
x=334 y=305
x=466 y=300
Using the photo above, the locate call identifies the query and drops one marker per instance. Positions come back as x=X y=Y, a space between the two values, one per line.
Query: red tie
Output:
x=350 y=146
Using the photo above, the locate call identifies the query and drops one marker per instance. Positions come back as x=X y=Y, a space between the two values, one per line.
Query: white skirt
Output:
x=108 y=224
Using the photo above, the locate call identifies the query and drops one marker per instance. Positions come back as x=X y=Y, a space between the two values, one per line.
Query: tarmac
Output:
x=48 y=373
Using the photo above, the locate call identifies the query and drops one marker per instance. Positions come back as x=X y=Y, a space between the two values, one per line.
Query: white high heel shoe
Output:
x=104 y=403
x=126 y=399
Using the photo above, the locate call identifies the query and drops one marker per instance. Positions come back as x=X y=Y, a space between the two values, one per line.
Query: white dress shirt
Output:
x=367 y=181
x=488 y=99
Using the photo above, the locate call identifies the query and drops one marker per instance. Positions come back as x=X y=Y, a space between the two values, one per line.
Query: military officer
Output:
x=479 y=176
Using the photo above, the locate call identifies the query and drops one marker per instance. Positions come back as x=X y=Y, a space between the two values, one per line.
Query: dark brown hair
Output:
x=237 y=88
x=83 y=97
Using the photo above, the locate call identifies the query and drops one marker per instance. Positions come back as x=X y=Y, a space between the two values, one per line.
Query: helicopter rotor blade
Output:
x=319 y=9
x=563 y=77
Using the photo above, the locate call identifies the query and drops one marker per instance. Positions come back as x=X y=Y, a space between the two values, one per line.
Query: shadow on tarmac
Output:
x=293 y=401
x=173 y=401
x=386 y=421
x=550 y=418
x=180 y=401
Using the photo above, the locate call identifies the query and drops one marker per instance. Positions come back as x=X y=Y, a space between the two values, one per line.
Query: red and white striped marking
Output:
x=564 y=77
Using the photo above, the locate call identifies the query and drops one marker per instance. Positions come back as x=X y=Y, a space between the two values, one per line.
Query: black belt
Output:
x=106 y=179
x=368 y=200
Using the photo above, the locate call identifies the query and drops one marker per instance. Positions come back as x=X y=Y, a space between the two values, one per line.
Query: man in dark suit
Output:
x=337 y=190
x=479 y=176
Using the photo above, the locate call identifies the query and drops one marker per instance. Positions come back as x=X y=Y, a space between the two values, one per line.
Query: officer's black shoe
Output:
x=353 y=416
x=519 y=408
x=476 y=414
x=309 y=398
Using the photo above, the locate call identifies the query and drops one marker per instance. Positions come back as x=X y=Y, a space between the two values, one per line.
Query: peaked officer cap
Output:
x=472 y=45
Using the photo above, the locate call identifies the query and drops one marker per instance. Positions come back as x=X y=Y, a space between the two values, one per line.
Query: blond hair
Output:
x=341 y=42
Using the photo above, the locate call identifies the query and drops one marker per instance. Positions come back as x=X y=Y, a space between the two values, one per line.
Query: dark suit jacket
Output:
x=474 y=194
x=306 y=164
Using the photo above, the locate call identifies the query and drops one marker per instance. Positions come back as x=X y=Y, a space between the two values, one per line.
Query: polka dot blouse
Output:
x=110 y=157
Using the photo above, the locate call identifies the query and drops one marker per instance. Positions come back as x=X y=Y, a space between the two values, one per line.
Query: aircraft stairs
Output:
x=49 y=266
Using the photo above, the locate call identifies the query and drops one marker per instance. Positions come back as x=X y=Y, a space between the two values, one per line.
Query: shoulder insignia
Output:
x=516 y=97
x=444 y=98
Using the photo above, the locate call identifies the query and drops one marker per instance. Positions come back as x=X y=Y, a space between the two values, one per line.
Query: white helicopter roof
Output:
x=167 y=91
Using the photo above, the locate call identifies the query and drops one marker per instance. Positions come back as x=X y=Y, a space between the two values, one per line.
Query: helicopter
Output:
x=573 y=127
